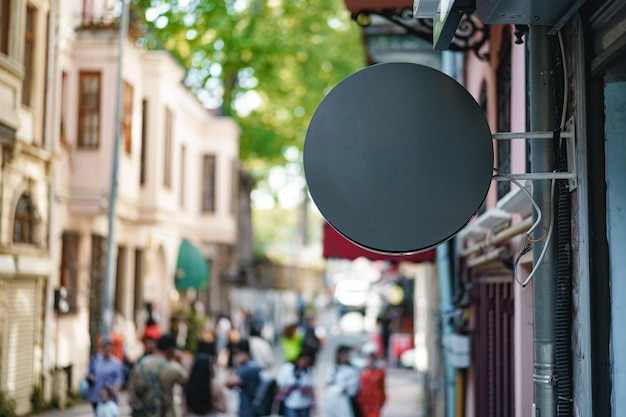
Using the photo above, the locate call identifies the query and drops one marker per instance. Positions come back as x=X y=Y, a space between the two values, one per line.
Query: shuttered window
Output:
x=24 y=221
x=167 y=149
x=69 y=267
x=22 y=339
x=127 y=116
x=89 y=110
x=29 y=53
x=5 y=16
x=144 y=142
x=492 y=347
x=208 y=184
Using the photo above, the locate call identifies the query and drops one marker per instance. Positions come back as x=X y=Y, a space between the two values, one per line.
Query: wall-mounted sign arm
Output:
x=570 y=139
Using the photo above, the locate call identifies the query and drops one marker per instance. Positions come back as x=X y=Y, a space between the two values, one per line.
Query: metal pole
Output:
x=543 y=118
x=107 y=315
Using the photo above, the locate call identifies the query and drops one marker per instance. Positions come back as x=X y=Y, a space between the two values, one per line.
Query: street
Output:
x=404 y=388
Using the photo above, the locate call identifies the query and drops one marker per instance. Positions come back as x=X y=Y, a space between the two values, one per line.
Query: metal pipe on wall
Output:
x=109 y=282
x=541 y=51
x=503 y=236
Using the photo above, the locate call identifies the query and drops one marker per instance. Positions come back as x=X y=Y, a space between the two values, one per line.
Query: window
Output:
x=127 y=116
x=63 y=124
x=120 y=282
x=234 y=192
x=29 y=48
x=167 y=150
x=144 y=142
x=183 y=156
x=24 y=222
x=491 y=346
x=208 y=184
x=89 y=110
x=69 y=267
x=5 y=18
x=96 y=286
x=138 y=276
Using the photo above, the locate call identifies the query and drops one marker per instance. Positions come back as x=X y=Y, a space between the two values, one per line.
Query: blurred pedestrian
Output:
x=233 y=338
x=296 y=386
x=105 y=370
x=314 y=336
x=371 y=396
x=246 y=378
x=203 y=395
x=291 y=342
x=342 y=383
x=106 y=406
x=152 y=381
x=151 y=332
x=208 y=344
x=260 y=349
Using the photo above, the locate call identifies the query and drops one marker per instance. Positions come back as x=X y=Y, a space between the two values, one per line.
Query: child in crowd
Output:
x=106 y=406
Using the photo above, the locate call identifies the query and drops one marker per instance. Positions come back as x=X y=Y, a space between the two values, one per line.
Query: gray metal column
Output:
x=543 y=118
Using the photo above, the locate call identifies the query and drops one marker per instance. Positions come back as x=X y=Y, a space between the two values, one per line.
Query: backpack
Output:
x=146 y=399
x=264 y=394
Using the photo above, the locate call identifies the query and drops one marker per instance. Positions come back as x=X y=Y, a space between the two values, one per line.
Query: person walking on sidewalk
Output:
x=106 y=406
x=342 y=384
x=295 y=386
x=152 y=381
x=371 y=396
x=291 y=342
x=260 y=349
x=105 y=370
x=246 y=378
x=203 y=394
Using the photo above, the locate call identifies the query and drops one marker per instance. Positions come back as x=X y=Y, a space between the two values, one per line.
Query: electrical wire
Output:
x=526 y=243
x=565 y=89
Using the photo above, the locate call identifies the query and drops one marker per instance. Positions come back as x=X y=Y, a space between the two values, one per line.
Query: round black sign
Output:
x=398 y=157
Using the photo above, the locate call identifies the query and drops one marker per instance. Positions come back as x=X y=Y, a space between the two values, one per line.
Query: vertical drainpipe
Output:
x=445 y=281
x=445 y=302
x=542 y=118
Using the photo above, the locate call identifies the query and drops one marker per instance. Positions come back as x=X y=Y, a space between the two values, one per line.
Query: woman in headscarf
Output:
x=203 y=395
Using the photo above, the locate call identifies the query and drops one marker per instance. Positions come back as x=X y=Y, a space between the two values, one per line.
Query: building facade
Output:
x=25 y=197
x=177 y=185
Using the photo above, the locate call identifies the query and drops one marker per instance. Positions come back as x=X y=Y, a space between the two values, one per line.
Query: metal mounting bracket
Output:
x=568 y=135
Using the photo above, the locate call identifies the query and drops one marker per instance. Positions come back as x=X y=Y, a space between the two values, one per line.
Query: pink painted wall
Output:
x=478 y=75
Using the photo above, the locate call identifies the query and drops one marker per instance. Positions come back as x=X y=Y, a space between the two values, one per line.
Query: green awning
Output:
x=192 y=268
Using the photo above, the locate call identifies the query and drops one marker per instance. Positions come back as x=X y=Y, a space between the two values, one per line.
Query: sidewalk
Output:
x=405 y=394
x=404 y=398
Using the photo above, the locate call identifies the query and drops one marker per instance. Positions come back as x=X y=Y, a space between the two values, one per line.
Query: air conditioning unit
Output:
x=517 y=201
x=493 y=219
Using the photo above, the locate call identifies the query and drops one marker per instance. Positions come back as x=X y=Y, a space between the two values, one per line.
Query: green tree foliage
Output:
x=266 y=63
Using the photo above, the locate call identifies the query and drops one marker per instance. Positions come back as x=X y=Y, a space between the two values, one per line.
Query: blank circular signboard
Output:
x=398 y=157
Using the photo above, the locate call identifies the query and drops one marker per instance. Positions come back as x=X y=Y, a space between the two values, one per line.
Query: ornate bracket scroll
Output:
x=471 y=34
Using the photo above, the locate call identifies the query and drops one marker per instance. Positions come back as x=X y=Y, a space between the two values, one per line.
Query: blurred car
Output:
x=352 y=295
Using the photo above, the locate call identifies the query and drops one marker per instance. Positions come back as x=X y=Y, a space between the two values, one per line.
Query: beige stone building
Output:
x=26 y=164
x=177 y=182
x=177 y=195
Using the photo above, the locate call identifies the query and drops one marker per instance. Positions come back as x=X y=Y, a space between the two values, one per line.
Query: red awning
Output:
x=337 y=246
x=356 y=6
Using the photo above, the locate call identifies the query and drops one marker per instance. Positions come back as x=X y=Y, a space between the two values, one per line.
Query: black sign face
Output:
x=398 y=157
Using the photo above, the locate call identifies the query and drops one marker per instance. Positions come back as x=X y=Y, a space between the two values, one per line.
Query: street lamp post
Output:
x=107 y=314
